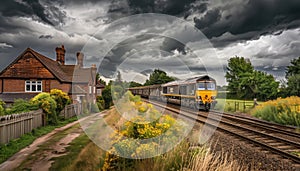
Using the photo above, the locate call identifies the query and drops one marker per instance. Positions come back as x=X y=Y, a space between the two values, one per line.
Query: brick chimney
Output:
x=60 y=54
x=80 y=59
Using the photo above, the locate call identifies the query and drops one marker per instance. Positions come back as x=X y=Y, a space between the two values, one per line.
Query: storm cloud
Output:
x=266 y=31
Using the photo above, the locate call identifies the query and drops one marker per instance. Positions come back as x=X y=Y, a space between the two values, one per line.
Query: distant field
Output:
x=233 y=105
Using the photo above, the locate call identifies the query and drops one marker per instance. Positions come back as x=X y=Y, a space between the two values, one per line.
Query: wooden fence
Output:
x=70 y=111
x=15 y=125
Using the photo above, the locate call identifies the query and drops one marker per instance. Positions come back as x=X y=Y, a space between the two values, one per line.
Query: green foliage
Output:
x=117 y=91
x=246 y=83
x=158 y=77
x=294 y=68
x=293 y=85
x=139 y=128
x=100 y=103
x=48 y=104
x=134 y=84
x=283 y=111
x=74 y=149
x=2 y=109
x=20 y=106
x=61 y=98
x=237 y=68
x=293 y=79
x=106 y=94
x=98 y=79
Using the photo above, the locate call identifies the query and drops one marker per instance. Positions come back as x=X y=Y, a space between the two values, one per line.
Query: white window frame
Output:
x=32 y=83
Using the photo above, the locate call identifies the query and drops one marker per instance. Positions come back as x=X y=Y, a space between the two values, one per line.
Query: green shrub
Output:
x=48 y=104
x=117 y=91
x=21 y=105
x=2 y=107
x=61 y=98
x=2 y=111
x=106 y=94
x=148 y=123
x=100 y=103
x=282 y=111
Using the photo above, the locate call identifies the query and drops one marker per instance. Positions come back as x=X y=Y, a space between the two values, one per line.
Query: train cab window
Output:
x=211 y=86
x=201 y=86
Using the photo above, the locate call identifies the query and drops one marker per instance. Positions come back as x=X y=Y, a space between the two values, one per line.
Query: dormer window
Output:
x=33 y=86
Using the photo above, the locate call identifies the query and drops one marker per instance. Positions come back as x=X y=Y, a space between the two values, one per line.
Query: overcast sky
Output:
x=117 y=36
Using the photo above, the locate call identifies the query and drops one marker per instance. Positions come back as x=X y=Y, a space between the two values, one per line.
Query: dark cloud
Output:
x=254 y=18
x=209 y=18
x=45 y=36
x=170 y=7
x=11 y=8
x=170 y=45
x=135 y=48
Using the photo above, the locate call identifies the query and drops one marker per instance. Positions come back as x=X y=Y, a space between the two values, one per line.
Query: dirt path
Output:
x=54 y=150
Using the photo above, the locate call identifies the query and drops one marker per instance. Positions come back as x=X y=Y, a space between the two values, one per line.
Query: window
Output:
x=201 y=86
x=211 y=86
x=206 y=86
x=33 y=86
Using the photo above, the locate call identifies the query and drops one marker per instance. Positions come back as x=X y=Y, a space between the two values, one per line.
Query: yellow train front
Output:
x=199 y=92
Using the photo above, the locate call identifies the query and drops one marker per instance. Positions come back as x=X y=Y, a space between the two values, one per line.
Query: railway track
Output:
x=274 y=139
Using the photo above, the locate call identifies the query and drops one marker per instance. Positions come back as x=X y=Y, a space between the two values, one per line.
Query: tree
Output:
x=294 y=68
x=98 y=79
x=238 y=68
x=293 y=78
x=158 y=77
x=134 y=84
x=246 y=83
x=106 y=94
x=267 y=87
x=293 y=85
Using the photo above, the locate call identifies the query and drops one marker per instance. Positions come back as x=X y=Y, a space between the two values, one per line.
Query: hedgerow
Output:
x=285 y=111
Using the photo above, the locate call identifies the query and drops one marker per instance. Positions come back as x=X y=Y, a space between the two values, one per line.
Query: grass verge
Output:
x=82 y=155
x=8 y=150
x=233 y=105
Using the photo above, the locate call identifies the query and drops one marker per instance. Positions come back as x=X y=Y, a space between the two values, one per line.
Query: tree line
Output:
x=244 y=82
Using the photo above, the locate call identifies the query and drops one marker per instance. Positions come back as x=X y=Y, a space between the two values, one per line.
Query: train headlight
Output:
x=213 y=97
x=199 y=97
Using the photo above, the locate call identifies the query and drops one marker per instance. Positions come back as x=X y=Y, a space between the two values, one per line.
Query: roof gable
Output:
x=26 y=66
x=64 y=73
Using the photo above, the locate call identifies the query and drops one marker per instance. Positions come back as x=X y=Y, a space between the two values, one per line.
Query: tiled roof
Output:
x=54 y=67
x=64 y=73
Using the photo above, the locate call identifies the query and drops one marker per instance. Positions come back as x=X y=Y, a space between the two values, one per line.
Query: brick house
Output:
x=31 y=73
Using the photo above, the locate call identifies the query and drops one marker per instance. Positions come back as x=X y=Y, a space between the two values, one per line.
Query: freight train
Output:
x=198 y=92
